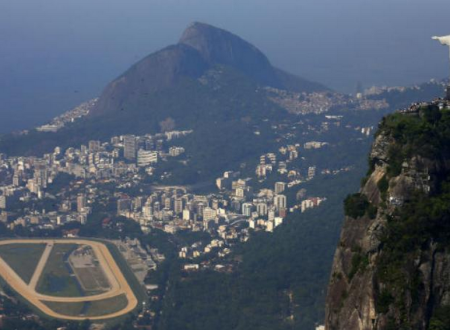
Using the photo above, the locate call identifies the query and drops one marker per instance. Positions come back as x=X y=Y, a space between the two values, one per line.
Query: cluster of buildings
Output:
x=68 y=117
x=242 y=204
x=321 y=102
x=440 y=103
x=378 y=90
x=282 y=162
x=227 y=215
x=199 y=248
x=311 y=203
x=314 y=145
x=27 y=182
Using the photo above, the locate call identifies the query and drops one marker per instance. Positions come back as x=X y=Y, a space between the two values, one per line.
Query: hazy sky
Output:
x=56 y=53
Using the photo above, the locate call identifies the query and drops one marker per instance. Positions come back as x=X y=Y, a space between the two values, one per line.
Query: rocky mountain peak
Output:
x=218 y=46
x=200 y=49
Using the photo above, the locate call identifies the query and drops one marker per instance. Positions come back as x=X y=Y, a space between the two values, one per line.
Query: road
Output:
x=119 y=284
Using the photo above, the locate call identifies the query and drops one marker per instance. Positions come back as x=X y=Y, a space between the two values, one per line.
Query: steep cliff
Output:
x=391 y=269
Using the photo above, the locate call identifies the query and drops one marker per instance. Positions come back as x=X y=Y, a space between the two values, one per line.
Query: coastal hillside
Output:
x=211 y=81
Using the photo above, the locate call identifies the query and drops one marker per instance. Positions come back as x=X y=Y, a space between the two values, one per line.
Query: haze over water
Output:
x=56 y=54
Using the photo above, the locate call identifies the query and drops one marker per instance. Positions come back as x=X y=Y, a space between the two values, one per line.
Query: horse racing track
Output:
x=67 y=279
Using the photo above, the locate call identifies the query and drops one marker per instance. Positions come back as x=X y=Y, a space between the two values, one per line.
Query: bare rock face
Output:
x=379 y=153
x=218 y=46
x=351 y=294
x=359 y=297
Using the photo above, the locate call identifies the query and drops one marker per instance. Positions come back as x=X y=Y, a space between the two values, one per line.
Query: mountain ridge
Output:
x=201 y=48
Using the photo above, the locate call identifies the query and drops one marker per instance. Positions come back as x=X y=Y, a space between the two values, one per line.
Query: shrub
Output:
x=441 y=319
x=383 y=186
x=372 y=211
x=356 y=205
x=384 y=301
x=359 y=263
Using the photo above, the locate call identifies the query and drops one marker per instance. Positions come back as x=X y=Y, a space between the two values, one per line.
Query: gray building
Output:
x=129 y=147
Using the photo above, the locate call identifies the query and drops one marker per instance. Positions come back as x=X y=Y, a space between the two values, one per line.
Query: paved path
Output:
x=119 y=284
x=40 y=266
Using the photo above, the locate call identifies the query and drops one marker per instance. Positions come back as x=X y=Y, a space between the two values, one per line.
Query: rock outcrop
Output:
x=391 y=269
x=218 y=46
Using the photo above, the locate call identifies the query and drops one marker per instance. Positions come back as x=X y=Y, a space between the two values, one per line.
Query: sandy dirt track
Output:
x=119 y=284
x=40 y=266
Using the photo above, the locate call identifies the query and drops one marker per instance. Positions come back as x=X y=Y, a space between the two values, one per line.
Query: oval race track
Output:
x=119 y=285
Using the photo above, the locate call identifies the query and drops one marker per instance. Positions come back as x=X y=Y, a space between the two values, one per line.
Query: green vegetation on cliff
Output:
x=425 y=133
x=357 y=205
x=422 y=222
x=392 y=263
